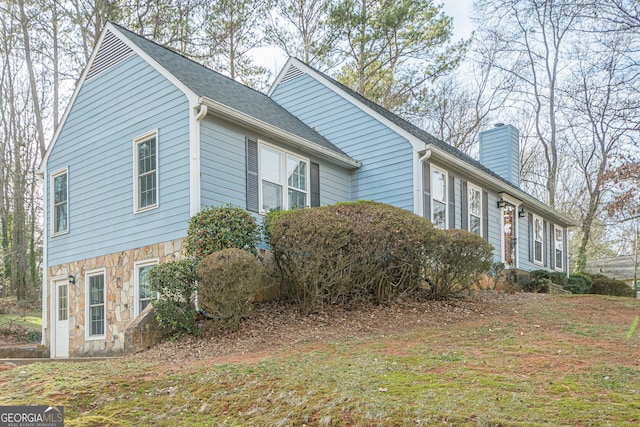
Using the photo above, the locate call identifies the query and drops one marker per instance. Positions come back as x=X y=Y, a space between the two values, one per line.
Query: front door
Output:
x=61 y=318
x=509 y=242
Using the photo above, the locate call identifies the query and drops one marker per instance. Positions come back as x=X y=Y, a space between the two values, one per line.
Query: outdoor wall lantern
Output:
x=521 y=213
x=501 y=202
x=72 y=279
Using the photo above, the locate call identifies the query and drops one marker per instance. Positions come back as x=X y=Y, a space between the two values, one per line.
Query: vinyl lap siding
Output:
x=386 y=174
x=223 y=175
x=96 y=144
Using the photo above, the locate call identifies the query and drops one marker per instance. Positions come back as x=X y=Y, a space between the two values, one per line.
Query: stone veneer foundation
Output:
x=119 y=281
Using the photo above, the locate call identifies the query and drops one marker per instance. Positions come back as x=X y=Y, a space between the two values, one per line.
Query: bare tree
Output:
x=536 y=36
x=602 y=126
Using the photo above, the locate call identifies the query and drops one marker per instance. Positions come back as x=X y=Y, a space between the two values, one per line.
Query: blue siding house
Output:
x=150 y=137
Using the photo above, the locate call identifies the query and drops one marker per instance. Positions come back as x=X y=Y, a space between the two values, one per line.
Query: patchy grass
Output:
x=557 y=361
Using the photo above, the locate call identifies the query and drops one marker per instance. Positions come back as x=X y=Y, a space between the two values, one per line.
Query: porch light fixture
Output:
x=72 y=279
x=521 y=213
x=501 y=202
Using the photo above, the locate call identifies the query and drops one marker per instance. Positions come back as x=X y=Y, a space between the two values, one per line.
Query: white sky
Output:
x=274 y=58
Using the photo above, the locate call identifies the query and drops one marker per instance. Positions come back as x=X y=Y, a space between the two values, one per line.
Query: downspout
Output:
x=195 y=158
x=420 y=178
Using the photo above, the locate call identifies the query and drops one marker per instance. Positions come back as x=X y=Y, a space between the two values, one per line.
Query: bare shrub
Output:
x=457 y=260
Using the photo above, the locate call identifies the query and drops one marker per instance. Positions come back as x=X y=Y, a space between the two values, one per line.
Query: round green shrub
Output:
x=214 y=229
x=228 y=282
x=175 y=283
x=603 y=285
x=578 y=284
x=348 y=253
x=457 y=259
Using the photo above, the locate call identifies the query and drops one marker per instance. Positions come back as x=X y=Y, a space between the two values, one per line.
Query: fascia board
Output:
x=416 y=143
x=191 y=96
x=500 y=187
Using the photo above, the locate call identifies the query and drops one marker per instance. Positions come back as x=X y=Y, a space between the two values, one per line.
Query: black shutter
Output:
x=545 y=245
x=565 y=251
x=426 y=188
x=485 y=215
x=452 y=201
x=464 y=205
x=252 y=174
x=315 y=184
x=532 y=239
x=552 y=246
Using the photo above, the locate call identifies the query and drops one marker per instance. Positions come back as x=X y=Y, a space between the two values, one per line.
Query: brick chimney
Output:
x=500 y=151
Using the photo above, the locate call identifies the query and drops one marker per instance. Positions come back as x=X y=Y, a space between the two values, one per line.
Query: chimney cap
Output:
x=497 y=125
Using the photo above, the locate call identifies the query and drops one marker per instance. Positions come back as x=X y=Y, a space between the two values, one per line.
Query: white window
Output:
x=143 y=293
x=284 y=179
x=438 y=198
x=146 y=171
x=96 y=308
x=559 y=248
x=475 y=210
x=537 y=239
x=59 y=199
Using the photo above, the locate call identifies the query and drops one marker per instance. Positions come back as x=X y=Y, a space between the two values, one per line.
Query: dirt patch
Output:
x=275 y=326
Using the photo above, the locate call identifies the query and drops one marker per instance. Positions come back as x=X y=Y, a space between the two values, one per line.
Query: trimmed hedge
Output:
x=348 y=253
x=603 y=285
x=214 y=229
x=229 y=280
x=456 y=260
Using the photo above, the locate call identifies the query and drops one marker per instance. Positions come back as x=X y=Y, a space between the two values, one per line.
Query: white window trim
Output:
x=52 y=190
x=555 y=241
x=87 y=311
x=479 y=190
x=136 y=282
x=533 y=236
x=516 y=234
x=136 y=189
x=285 y=188
x=446 y=195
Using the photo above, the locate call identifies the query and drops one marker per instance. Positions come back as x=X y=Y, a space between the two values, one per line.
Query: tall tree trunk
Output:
x=32 y=78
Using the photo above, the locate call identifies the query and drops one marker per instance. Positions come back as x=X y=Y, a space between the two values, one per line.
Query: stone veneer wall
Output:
x=119 y=281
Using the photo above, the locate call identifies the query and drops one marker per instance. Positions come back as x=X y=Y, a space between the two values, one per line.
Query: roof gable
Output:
x=419 y=138
x=210 y=84
x=197 y=82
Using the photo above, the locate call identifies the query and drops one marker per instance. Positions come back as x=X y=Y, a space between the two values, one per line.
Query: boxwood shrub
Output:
x=217 y=228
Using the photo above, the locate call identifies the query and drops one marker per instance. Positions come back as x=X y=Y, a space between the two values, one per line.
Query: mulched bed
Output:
x=276 y=326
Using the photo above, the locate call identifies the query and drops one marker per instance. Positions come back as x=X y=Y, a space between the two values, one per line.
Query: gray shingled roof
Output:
x=430 y=139
x=414 y=130
x=213 y=85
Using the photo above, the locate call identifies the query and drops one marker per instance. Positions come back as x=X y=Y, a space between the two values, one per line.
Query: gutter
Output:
x=502 y=187
x=244 y=119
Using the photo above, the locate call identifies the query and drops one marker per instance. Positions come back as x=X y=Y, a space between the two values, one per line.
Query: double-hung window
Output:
x=475 y=210
x=59 y=191
x=283 y=179
x=143 y=292
x=538 y=230
x=559 y=248
x=146 y=172
x=96 y=296
x=438 y=198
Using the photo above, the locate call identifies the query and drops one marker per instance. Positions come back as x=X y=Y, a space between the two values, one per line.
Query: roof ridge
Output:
x=148 y=40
